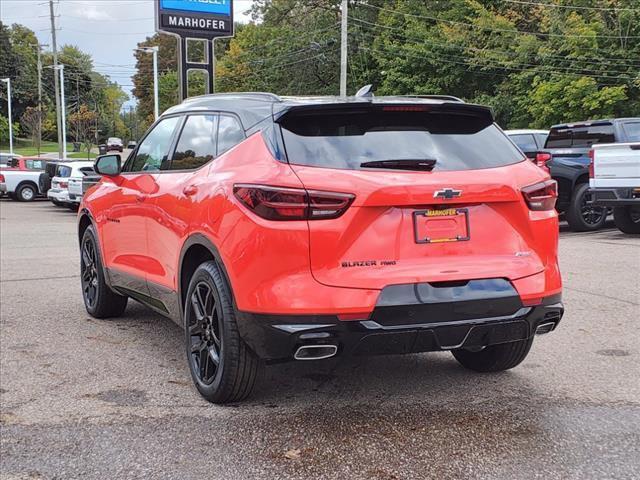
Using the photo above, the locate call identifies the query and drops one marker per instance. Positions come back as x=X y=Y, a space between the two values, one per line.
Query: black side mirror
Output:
x=109 y=165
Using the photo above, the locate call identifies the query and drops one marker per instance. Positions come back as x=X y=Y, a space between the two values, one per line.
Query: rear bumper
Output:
x=616 y=197
x=403 y=328
x=58 y=195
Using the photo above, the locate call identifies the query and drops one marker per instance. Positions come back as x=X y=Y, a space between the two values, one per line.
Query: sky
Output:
x=109 y=30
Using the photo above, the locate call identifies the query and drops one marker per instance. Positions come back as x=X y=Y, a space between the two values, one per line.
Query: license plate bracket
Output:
x=441 y=225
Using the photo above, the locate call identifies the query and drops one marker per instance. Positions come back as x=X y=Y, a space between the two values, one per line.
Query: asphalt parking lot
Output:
x=85 y=398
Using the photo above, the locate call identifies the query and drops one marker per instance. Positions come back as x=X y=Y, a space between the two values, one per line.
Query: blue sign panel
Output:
x=216 y=7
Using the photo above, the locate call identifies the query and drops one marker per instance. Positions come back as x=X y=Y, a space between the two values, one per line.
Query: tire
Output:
x=99 y=300
x=582 y=217
x=57 y=203
x=627 y=219
x=494 y=358
x=212 y=340
x=26 y=193
x=73 y=206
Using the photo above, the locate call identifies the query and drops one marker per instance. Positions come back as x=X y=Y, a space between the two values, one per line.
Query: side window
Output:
x=632 y=129
x=525 y=142
x=230 y=133
x=541 y=138
x=154 y=149
x=197 y=144
x=34 y=164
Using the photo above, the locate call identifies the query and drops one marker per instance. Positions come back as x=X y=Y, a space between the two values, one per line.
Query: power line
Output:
x=493 y=29
x=574 y=7
x=481 y=50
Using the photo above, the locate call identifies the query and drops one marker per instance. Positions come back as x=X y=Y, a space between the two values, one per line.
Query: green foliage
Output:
x=4 y=130
x=534 y=64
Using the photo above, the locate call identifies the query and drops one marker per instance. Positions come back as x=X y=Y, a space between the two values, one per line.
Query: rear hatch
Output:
x=75 y=182
x=437 y=193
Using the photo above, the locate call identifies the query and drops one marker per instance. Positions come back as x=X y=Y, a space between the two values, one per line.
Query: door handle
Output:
x=190 y=190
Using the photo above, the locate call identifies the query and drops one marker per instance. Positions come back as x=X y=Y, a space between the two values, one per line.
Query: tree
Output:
x=84 y=123
x=31 y=122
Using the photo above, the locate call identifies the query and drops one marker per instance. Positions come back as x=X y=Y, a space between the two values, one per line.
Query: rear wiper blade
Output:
x=426 y=164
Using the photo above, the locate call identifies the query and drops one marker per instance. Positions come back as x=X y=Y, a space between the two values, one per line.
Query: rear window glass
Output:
x=580 y=136
x=632 y=129
x=63 y=171
x=87 y=171
x=346 y=140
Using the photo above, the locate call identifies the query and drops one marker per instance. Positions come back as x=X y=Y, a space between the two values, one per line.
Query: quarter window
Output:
x=154 y=149
x=230 y=133
x=197 y=144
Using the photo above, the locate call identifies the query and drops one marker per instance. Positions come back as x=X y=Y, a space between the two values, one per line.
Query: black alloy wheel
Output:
x=88 y=268
x=582 y=215
x=99 y=299
x=592 y=215
x=222 y=366
x=205 y=333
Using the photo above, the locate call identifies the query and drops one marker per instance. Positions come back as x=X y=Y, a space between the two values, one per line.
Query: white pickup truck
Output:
x=20 y=184
x=615 y=182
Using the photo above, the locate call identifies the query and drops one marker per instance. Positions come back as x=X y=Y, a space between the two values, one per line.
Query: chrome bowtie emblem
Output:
x=447 y=193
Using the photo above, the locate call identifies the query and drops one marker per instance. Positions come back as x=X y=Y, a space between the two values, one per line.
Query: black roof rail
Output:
x=272 y=97
x=436 y=97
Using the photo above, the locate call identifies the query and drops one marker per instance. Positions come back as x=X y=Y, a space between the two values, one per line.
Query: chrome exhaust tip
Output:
x=315 y=352
x=545 y=328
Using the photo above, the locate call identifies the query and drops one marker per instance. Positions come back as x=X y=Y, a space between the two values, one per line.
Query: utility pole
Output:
x=8 y=82
x=55 y=79
x=39 y=50
x=343 y=48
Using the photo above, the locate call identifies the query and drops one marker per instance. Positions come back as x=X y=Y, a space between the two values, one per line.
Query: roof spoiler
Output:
x=481 y=112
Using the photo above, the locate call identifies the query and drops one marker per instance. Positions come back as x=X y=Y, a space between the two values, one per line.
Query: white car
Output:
x=68 y=174
x=529 y=141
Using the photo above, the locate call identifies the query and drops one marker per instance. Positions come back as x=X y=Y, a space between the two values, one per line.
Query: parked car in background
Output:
x=568 y=146
x=615 y=180
x=531 y=142
x=114 y=143
x=298 y=229
x=68 y=173
x=23 y=185
x=131 y=144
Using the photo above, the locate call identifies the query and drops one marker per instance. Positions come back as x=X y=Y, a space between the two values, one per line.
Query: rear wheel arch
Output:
x=84 y=222
x=196 y=250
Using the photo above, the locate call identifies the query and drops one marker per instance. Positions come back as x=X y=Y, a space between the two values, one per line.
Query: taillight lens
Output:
x=64 y=184
x=2 y=178
x=542 y=159
x=541 y=196
x=281 y=203
x=592 y=173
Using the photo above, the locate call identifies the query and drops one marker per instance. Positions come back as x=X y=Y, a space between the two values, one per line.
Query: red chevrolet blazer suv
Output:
x=284 y=228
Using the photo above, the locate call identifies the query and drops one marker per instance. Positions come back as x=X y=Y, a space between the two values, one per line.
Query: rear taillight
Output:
x=2 y=178
x=541 y=160
x=64 y=184
x=592 y=173
x=281 y=203
x=541 y=196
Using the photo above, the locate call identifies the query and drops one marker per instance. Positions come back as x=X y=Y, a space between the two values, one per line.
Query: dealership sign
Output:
x=195 y=18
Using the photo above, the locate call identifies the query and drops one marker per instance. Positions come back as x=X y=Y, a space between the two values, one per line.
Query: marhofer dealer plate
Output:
x=441 y=225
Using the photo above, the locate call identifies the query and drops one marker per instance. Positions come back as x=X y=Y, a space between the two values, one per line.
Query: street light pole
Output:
x=63 y=113
x=156 y=99
x=8 y=82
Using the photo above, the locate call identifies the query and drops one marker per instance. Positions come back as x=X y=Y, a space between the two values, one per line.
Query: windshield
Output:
x=345 y=140
x=114 y=140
